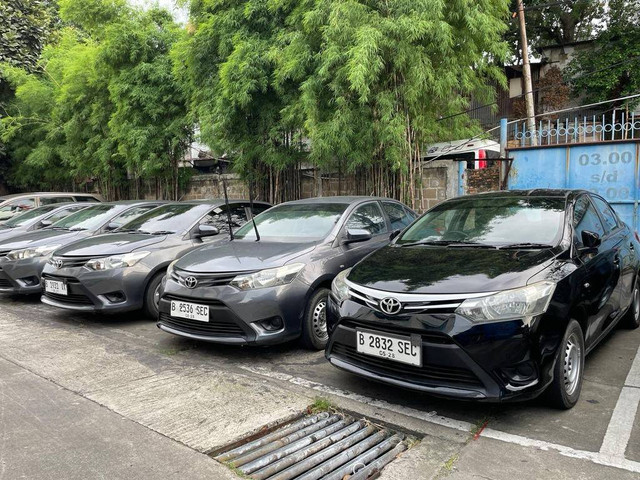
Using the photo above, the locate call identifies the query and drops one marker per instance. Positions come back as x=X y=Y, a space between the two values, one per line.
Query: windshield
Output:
x=90 y=218
x=491 y=221
x=24 y=218
x=165 y=220
x=295 y=221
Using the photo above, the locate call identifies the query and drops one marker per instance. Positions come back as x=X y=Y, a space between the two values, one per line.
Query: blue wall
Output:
x=609 y=169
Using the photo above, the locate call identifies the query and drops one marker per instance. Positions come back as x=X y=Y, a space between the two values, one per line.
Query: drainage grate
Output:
x=328 y=446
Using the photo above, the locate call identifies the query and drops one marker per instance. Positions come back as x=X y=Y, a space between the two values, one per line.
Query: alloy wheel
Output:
x=572 y=364
x=156 y=297
x=636 y=304
x=319 y=317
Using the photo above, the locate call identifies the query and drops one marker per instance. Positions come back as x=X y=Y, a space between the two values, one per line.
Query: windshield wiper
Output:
x=524 y=245
x=77 y=229
x=159 y=232
x=449 y=243
x=59 y=228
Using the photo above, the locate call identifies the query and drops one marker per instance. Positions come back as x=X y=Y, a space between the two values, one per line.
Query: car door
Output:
x=598 y=271
x=625 y=250
x=367 y=216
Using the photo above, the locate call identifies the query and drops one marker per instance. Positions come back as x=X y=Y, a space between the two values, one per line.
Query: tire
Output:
x=314 y=323
x=564 y=391
x=631 y=319
x=152 y=295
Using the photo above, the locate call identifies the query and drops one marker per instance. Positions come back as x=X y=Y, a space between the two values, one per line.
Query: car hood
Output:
x=11 y=232
x=423 y=269
x=110 y=244
x=42 y=237
x=239 y=255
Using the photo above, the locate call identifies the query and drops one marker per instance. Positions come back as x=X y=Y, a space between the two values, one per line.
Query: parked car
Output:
x=37 y=218
x=272 y=286
x=122 y=271
x=23 y=258
x=11 y=205
x=490 y=297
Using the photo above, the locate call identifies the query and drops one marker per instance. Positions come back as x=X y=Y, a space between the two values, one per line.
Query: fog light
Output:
x=272 y=324
x=115 y=297
x=520 y=374
x=30 y=281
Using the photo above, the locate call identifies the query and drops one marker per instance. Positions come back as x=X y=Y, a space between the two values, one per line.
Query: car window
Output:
x=19 y=205
x=368 y=217
x=398 y=215
x=171 y=218
x=52 y=200
x=218 y=217
x=585 y=218
x=25 y=217
x=131 y=215
x=492 y=221
x=64 y=213
x=86 y=199
x=610 y=220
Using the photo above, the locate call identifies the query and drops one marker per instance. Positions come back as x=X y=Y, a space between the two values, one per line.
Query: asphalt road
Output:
x=162 y=402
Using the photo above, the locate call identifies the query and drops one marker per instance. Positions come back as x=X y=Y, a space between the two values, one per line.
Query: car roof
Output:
x=219 y=201
x=566 y=193
x=48 y=194
x=344 y=200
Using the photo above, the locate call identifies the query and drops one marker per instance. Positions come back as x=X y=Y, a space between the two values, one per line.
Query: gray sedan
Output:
x=122 y=271
x=23 y=258
x=37 y=218
x=272 y=286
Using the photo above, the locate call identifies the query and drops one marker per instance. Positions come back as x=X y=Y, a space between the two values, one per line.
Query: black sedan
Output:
x=121 y=271
x=23 y=258
x=491 y=297
x=270 y=283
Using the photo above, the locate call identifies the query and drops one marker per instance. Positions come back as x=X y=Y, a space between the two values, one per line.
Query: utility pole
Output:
x=526 y=74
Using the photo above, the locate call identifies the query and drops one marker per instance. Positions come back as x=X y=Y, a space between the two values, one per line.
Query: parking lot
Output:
x=88 y=396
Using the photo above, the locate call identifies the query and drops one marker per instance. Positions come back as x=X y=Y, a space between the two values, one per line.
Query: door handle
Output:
x=616 y=261
x=631 y=247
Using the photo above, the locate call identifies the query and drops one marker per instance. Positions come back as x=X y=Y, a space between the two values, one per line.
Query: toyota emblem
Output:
x=390 y=305
x=56 y=262
x=191 y=282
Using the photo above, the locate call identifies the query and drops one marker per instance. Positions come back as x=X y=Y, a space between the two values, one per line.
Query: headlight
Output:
x=170 y=268
x=42 y=251
x=525 y=302
x=116 y=261
x=339 y=286
x=270 y=277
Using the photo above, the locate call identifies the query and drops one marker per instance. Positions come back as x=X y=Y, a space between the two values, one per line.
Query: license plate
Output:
x=192 y=311
x=396 y=348
x=54 y=286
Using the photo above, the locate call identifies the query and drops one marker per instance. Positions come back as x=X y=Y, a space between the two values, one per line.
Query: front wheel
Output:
x=152 y=296
x=564 y=391
x=314 y=323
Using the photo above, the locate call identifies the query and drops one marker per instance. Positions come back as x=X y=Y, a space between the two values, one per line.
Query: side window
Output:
x=218 y=217
x=84 y=199
x=585 y=217
x=52 y=200
x=19 y=205
x=368 y=217
x=397 y=215
x=609 y=217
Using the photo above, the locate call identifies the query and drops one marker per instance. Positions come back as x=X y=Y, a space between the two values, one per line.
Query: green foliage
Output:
x=614 y=60
x=106 y=105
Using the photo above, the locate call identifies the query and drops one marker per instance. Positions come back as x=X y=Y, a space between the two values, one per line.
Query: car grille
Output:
x=214 y=328
x=205 y=279
x=69 y=262
x=75 y=295
x=427 y=374
x=422 y=303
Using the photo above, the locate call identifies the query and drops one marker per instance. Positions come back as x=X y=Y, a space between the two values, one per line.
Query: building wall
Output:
x=483 y=180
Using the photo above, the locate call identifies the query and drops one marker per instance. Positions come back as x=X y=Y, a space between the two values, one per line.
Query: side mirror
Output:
x=394 y=234
x=111 y=227
x=590 y=242
x=357 y=235
x=45 y=223
x=205 y=230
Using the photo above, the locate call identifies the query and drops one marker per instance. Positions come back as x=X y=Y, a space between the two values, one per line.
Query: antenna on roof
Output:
x=226 y=202
x=255 y=227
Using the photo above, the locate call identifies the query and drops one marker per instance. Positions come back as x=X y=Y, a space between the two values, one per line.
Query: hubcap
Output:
x=156 y=297
x=636 y=304
x=572 y=364
x=320 y=320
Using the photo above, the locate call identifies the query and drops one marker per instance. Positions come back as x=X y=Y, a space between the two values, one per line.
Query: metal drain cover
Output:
x=328 y=446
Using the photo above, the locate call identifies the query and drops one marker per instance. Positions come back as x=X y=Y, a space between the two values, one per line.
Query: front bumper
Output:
x=487 y=362
x=21 y=276
x=109 y=291
x=233 y=313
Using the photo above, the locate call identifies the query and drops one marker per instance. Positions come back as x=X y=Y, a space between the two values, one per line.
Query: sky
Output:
x=179 y=13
